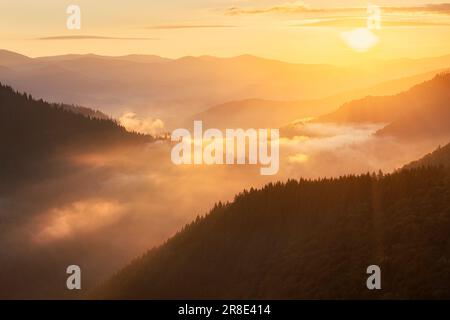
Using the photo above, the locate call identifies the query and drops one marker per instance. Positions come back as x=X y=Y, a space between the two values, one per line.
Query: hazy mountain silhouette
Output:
x=298 y=239
x=182 y=86
x=428 y=119
x=254 y=113
x=172 y=89
x=306 y=239
x=421 y=112
x=259 y=113
x=140 y=58
x=439 y=157
x=9 y=58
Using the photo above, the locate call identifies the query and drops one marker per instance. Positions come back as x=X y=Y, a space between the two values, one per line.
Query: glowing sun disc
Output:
x=360 y=39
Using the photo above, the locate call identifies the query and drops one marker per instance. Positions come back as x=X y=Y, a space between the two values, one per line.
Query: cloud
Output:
x=355 y=22
x=91 y=37
x=298 y=158
x=118 y=203
x=288 y=8
x=353 y=17
x=78 y=217
x=190 y=26
x=304 y=9
x=314 y=137
x=443 y=8
x=142 y=125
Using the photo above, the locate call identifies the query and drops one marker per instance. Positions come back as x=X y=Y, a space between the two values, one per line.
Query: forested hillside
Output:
x=307 y=239
x=439 y=157
x=32 y=129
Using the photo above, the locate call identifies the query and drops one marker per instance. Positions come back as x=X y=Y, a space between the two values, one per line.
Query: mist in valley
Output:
x=100 y=209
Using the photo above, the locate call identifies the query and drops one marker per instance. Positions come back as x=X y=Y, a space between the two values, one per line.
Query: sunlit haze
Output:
x=294 y=31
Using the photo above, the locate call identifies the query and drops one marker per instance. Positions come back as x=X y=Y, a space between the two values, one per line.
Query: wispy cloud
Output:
x=91 y=37
x=355 y=22
x=132 y=122
x=443 y=8
x=190 y=26
x=407 y=16
x=288 y=8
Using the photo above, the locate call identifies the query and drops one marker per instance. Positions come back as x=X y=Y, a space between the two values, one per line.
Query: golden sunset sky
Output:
x=310 y=31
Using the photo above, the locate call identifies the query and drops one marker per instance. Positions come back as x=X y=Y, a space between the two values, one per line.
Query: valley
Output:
x=100 y=195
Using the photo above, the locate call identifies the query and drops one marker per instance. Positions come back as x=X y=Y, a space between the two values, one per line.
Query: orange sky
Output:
x=319 y=31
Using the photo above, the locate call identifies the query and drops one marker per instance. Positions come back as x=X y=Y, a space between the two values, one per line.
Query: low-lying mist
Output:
x=101 y=209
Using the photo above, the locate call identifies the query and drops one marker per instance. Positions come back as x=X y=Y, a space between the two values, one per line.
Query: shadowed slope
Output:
x=35 y=129
x=306 y=239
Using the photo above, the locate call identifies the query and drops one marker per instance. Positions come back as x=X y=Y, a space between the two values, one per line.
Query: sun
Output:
x=360 y=40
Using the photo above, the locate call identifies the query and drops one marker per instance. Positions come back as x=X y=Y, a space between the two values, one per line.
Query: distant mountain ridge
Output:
x=9 y=58
x=420 y=112
x=430 y=118
x=260 y=113
x=171 y=89
x=131 y=57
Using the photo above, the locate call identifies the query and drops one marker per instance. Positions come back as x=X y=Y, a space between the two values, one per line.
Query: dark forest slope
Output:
x=307 y=239
x=34 y=129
